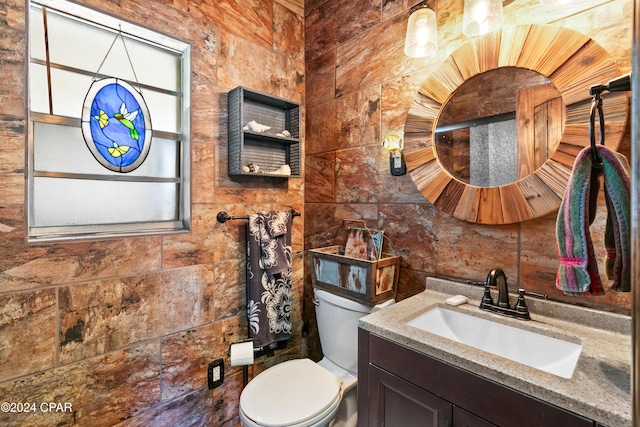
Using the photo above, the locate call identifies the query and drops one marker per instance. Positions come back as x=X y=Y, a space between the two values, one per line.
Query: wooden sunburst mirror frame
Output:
x=572 y=62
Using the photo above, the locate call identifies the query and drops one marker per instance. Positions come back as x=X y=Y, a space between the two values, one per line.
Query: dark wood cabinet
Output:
x=462 y=418
x=400 y=403
x=401 y=387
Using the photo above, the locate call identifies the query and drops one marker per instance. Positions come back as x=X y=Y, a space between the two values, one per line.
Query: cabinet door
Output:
x=395 y=402
x=462 y=418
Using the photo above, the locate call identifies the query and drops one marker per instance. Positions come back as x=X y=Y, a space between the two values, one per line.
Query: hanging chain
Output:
x=119 y=35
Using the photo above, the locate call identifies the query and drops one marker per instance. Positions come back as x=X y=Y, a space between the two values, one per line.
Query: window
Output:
x=71 y=194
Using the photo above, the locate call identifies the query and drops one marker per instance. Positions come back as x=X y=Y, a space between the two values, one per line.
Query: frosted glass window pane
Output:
x=62 y=149
x=165 y=111
x=152 y=66
x=65 y=202
x=38 y=92
x=68 y=37
x=36 y=34
x=69 y=91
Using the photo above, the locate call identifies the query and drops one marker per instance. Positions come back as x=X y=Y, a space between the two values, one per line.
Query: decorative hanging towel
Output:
x=578 y=271
x=269 y=277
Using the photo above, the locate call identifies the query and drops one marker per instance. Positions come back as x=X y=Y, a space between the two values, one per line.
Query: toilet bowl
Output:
x=302 y=393
x=296 y=393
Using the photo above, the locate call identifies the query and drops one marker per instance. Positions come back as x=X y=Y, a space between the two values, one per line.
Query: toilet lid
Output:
x=289 y=393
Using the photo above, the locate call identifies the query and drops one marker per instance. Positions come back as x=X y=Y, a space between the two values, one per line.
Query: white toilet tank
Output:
x=338 y=327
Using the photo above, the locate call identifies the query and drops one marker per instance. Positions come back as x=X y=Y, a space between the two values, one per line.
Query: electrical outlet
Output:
x=215 y=373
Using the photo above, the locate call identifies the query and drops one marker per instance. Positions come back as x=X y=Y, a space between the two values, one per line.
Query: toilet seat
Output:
x=320 y=420
x=293 y=393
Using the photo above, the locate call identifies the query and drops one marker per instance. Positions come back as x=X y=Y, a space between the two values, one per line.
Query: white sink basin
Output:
x=549 y=354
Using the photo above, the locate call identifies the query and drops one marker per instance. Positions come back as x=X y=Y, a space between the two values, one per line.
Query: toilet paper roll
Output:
x=242 y=354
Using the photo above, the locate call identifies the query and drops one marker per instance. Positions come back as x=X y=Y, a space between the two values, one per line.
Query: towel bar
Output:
x=223 y=217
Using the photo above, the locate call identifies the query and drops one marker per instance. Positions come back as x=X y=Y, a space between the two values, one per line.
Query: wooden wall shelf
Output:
x=268 y=150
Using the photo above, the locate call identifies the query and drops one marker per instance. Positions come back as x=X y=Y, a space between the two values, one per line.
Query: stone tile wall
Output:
x=123 y=329
x=360 y=85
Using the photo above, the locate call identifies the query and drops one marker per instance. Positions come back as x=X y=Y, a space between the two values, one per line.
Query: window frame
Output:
x=105 y=21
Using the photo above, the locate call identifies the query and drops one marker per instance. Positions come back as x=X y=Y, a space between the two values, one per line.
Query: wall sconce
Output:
x=393 y=144
x=482 y=17
x=422 y=34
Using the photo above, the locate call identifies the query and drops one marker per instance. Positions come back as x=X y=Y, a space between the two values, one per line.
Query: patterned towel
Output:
x=578 y=271
x=269 y=277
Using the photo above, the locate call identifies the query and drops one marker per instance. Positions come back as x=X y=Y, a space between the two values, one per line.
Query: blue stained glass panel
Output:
x=116 y=125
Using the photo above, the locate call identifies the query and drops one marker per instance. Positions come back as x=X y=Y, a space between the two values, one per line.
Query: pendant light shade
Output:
x=422 y=34
x=482 y=17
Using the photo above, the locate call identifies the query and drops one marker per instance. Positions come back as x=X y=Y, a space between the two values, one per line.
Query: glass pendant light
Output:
x=422 y=34
x=482 y=17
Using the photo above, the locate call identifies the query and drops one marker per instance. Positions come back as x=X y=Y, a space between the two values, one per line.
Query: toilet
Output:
x=302 y=393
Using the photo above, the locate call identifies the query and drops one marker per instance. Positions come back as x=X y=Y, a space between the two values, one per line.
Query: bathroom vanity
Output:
x=408 y=376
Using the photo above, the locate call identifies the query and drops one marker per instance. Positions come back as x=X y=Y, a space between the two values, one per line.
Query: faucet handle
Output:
x=536 y=294
x=487 y=300
x=521 y=305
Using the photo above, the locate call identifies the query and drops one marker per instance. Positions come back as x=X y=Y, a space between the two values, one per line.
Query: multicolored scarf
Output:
x=578 y=271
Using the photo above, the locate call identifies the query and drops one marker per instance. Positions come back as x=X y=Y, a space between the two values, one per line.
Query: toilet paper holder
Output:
x=241 y=342
x=244 y=363
x=268 y=350
x=242 y=353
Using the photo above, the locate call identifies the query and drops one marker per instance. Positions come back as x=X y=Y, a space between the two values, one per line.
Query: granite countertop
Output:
x=600 y=388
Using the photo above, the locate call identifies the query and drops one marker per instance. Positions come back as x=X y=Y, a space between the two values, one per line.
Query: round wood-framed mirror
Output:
x=571 y=62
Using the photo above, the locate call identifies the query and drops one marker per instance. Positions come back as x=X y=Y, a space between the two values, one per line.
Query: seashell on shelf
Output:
x=282 y=170
x=251 y=167
x=254 y=126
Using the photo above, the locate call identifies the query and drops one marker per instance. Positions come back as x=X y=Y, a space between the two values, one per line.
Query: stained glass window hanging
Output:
x=116 y=124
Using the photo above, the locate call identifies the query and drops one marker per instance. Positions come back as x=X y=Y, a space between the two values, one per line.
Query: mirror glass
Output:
x=499 y=126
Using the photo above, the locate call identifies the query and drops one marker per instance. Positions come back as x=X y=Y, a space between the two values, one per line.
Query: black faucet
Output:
x=498 y=279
